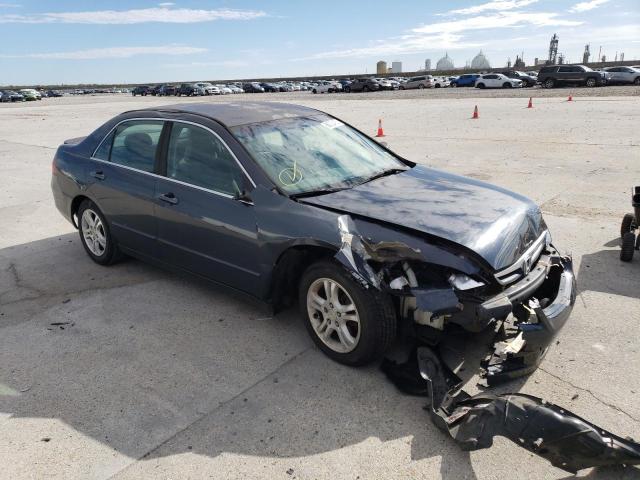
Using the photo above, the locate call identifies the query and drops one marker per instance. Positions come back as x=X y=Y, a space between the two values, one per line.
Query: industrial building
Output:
x=445 y=63
x=381 y=67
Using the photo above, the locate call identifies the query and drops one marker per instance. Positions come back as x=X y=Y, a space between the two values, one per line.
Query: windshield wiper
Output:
x=385 y=173
x=319 y=191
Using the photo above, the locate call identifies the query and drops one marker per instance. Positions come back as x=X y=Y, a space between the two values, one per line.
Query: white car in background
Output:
x=325 y=86
x=208 y=88
x=441 y=82
x=623 y=75
x=224 y=90
x=497 y=80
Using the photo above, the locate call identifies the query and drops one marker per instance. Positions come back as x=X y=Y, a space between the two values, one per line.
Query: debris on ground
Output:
x=566 y=440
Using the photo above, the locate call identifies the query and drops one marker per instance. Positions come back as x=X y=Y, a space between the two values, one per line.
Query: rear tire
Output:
x=480 y=85
x=374 y=310
x=628 y=244
x=628 y=224
x=591 y=82
x=421 y=86
x=506 y=85
x=636 y=81
x=549 y=83
x=347 y=89
x=95 y=235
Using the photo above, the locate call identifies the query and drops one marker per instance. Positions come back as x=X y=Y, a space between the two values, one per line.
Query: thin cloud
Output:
x=498 y=20
x=496 y=5
x=222 y=63
x=143 y=15
x=166 y=4
x=10 y=5
x=447 y=35
x=112 y=52
x=586 y=6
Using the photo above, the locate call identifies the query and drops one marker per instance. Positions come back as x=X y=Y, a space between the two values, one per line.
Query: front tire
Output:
x=95 y=235
x=351 y=324
x=549 y=83
x=591 y=82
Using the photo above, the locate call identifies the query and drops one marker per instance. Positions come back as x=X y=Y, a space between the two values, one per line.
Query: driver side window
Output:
x=199 y=158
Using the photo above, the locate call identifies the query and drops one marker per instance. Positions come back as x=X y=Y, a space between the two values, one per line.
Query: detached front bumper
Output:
x=540 y=304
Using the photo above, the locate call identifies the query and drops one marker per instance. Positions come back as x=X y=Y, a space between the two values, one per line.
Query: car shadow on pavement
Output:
x=150 y=364
x=602 y=271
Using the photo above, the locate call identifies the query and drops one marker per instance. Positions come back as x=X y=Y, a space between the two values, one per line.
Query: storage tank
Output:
x=381 y=68
x=445 y=63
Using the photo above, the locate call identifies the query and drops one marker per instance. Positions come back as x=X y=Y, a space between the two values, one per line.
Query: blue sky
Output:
x=138 y=41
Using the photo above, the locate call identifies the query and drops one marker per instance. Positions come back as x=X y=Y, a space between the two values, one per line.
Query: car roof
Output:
x=240 y=113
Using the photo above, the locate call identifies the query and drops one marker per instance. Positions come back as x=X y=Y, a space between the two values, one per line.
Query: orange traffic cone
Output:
x=570 y=99
x=530 y=103
x=380 y=131
x=475 y=112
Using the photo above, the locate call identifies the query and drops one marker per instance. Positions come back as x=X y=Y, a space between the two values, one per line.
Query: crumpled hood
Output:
x=495 y=223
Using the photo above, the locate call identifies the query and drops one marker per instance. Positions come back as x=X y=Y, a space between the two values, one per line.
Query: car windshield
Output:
x=304 y=155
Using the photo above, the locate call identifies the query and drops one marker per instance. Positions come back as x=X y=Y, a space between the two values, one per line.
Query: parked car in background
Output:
x=441 y=82
x=325 y=86
x=235 y=88
x=527 y=80
x=386 y=84
x=532 y=73
x=11 y=96
x=167 y=90
x=155 y=90
x=224 y=90
x=189 y=90
x=54 y=93
x=252 y=88
x=497 y=80
x=623 y=75
x=558 y=75
x=466 y=80
x=422 y=81
x=207 y=88
x=30 y=94
x=141 y=90
x=363 y=85
x=269 y=87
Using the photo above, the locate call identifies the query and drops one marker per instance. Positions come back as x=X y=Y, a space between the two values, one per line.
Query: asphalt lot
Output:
x=130 y=372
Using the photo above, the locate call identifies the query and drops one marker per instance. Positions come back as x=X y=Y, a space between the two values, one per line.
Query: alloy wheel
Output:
x=93 y=232
x=333 y=315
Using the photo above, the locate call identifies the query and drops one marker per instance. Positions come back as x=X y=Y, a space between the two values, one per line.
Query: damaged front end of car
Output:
x=526 y=303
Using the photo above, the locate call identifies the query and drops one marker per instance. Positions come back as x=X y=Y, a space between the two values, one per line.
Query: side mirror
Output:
x=243 y=197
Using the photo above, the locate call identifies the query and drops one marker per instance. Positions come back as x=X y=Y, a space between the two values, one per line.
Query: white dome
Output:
x=480 y=62
x=445 y=63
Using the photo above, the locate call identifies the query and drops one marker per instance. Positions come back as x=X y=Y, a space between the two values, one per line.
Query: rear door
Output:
x=123 y=182
x=201 y=226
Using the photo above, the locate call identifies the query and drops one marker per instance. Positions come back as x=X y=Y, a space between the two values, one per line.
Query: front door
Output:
x=202 y=227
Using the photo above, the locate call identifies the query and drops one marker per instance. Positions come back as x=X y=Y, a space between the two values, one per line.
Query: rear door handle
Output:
x=99 y=175
x=169 y=198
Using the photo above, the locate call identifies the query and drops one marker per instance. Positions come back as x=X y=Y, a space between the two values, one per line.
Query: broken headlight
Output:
x=463 y=282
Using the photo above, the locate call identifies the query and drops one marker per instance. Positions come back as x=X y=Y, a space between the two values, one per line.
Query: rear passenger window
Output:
x=102 y=152
x=135 y=144
x=198 y=157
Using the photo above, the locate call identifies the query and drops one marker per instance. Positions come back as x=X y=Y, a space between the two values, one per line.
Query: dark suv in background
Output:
x=143 y=90
x=362 y=85
x=557 y=75
x=527 y=80
x=188 y=89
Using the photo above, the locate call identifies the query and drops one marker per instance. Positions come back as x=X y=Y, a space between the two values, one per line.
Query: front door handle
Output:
x=99 y=175
x=169 y=198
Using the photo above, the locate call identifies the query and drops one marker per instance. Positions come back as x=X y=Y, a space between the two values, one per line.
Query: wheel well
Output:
x=287 y=272
x=75 y=205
